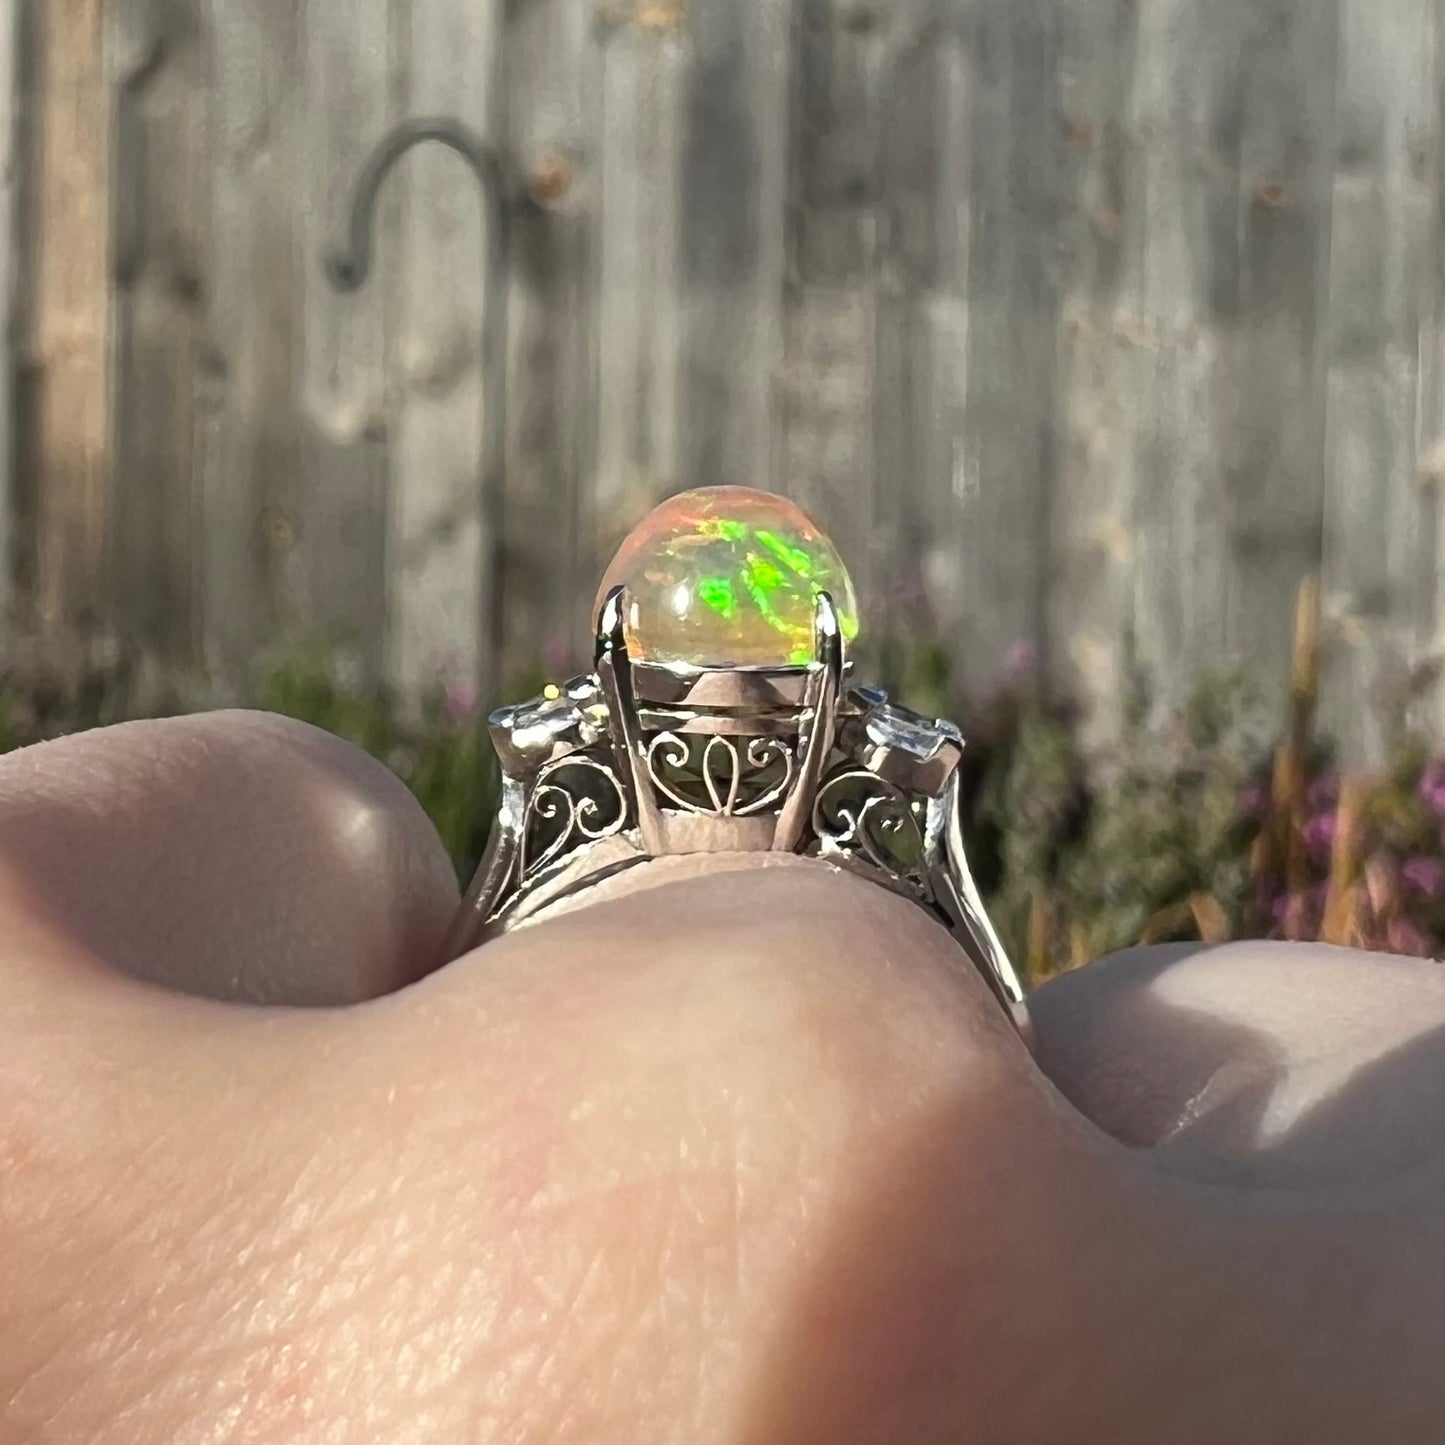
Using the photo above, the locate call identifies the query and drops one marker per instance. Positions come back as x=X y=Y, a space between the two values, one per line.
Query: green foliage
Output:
x=91 y=687
x=319 y=684
x=1113 y=850
x=1209 y=821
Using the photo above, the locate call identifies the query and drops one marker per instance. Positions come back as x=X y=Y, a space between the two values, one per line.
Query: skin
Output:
x=741 y=1155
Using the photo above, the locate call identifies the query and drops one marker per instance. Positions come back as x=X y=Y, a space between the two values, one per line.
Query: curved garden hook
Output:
x=348 y=270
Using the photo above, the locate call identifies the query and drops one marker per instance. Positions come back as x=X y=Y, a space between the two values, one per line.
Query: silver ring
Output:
x=671 y=745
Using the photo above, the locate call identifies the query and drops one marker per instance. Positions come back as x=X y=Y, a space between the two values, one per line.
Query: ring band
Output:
x=650 y=755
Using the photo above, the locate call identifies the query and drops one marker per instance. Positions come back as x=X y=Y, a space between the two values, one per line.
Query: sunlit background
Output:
x=1106 y=337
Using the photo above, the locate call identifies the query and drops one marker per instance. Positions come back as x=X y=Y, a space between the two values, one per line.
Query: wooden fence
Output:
x=1074 y=320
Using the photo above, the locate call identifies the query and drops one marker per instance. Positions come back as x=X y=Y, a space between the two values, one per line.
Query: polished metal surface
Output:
x=618 y=767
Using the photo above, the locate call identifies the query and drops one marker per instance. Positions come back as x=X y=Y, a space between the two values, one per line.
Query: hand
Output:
x=742 y=1156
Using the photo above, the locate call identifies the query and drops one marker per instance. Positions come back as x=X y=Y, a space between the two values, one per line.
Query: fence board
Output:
x=1005 y=461
x=645 y=62
x=1430 y=403
x=250 y=472
x=342 y=385
x=825 y=430
x=554 y=121
x=1196 y=328
x=731 y=216
x=1379 y=541
x=9 y=317
x=1104 y=362
x=68 y=425
x=156 y=76
x=920 y=373
x=443 y=533
x=1078 y=322
x=1271 y=430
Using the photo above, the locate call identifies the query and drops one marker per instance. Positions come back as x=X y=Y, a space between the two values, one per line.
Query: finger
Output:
x=1256 y=1063
x=748 y=1157
x=236 y=855
x=554 y=1192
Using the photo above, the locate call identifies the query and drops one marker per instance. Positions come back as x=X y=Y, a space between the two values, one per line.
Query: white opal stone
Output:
x=727 y=576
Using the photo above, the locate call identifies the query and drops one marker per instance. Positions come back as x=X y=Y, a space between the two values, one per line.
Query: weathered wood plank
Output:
x=552 y=551
x=342 y=384
x=1195 y=399
x=1105 y=358
x=1430 y=398
x=826 y=453
x=250 y=450
x=1004 y=463
x=9 y=314
x=1073 y=321
x=732 y=215
x=644 y=70
x=442 y=538
x=920 y=375
x=1379 y=533
x=1271 y=429
x=1176 y=284
x=66 y=352
x=157 y=77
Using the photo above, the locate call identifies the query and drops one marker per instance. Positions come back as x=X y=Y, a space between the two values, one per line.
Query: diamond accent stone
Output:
x=892 y=726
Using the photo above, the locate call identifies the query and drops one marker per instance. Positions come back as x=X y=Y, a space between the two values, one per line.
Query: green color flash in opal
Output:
x=728 y=576
x=717 y=593
x=763 y=575
x=762 y=579
x=794 y=557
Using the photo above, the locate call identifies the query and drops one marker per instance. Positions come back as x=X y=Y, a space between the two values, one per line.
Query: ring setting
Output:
x=721 y=716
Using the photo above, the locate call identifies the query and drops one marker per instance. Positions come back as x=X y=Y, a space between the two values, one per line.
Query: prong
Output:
x=614 y=675
x=493 y=877
x=611 y=625
x=817 y=725
x=953 y=880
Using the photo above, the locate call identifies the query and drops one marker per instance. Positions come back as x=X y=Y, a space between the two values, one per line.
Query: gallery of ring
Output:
x=651 y=754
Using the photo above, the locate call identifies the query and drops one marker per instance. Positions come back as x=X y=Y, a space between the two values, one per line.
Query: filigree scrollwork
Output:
x=715 y=776
x=858 y=813
x=564 y=812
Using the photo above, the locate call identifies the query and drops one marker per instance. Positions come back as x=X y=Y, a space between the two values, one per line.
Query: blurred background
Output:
x=344 y=342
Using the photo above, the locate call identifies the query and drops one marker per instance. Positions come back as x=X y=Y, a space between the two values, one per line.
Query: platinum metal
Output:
x=616 y=768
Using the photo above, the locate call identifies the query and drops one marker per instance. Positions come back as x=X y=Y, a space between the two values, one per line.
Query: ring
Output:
x=721 y=716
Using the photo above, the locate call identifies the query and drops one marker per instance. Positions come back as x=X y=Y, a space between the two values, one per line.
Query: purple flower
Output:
x=1299 y=909
x=1297 y=915
x=1254 y=799
x=1319 y=833
x=1425 y=875
x=1021 y=660
x=461 y=700
x=1323 y=793
x=1432 y=788
x=1404 y=937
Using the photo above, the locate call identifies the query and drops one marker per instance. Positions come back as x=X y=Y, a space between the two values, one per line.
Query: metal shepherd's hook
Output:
x=348 y=270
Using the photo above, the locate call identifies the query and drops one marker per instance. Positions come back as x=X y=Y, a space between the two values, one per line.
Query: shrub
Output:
x=1207 y=823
